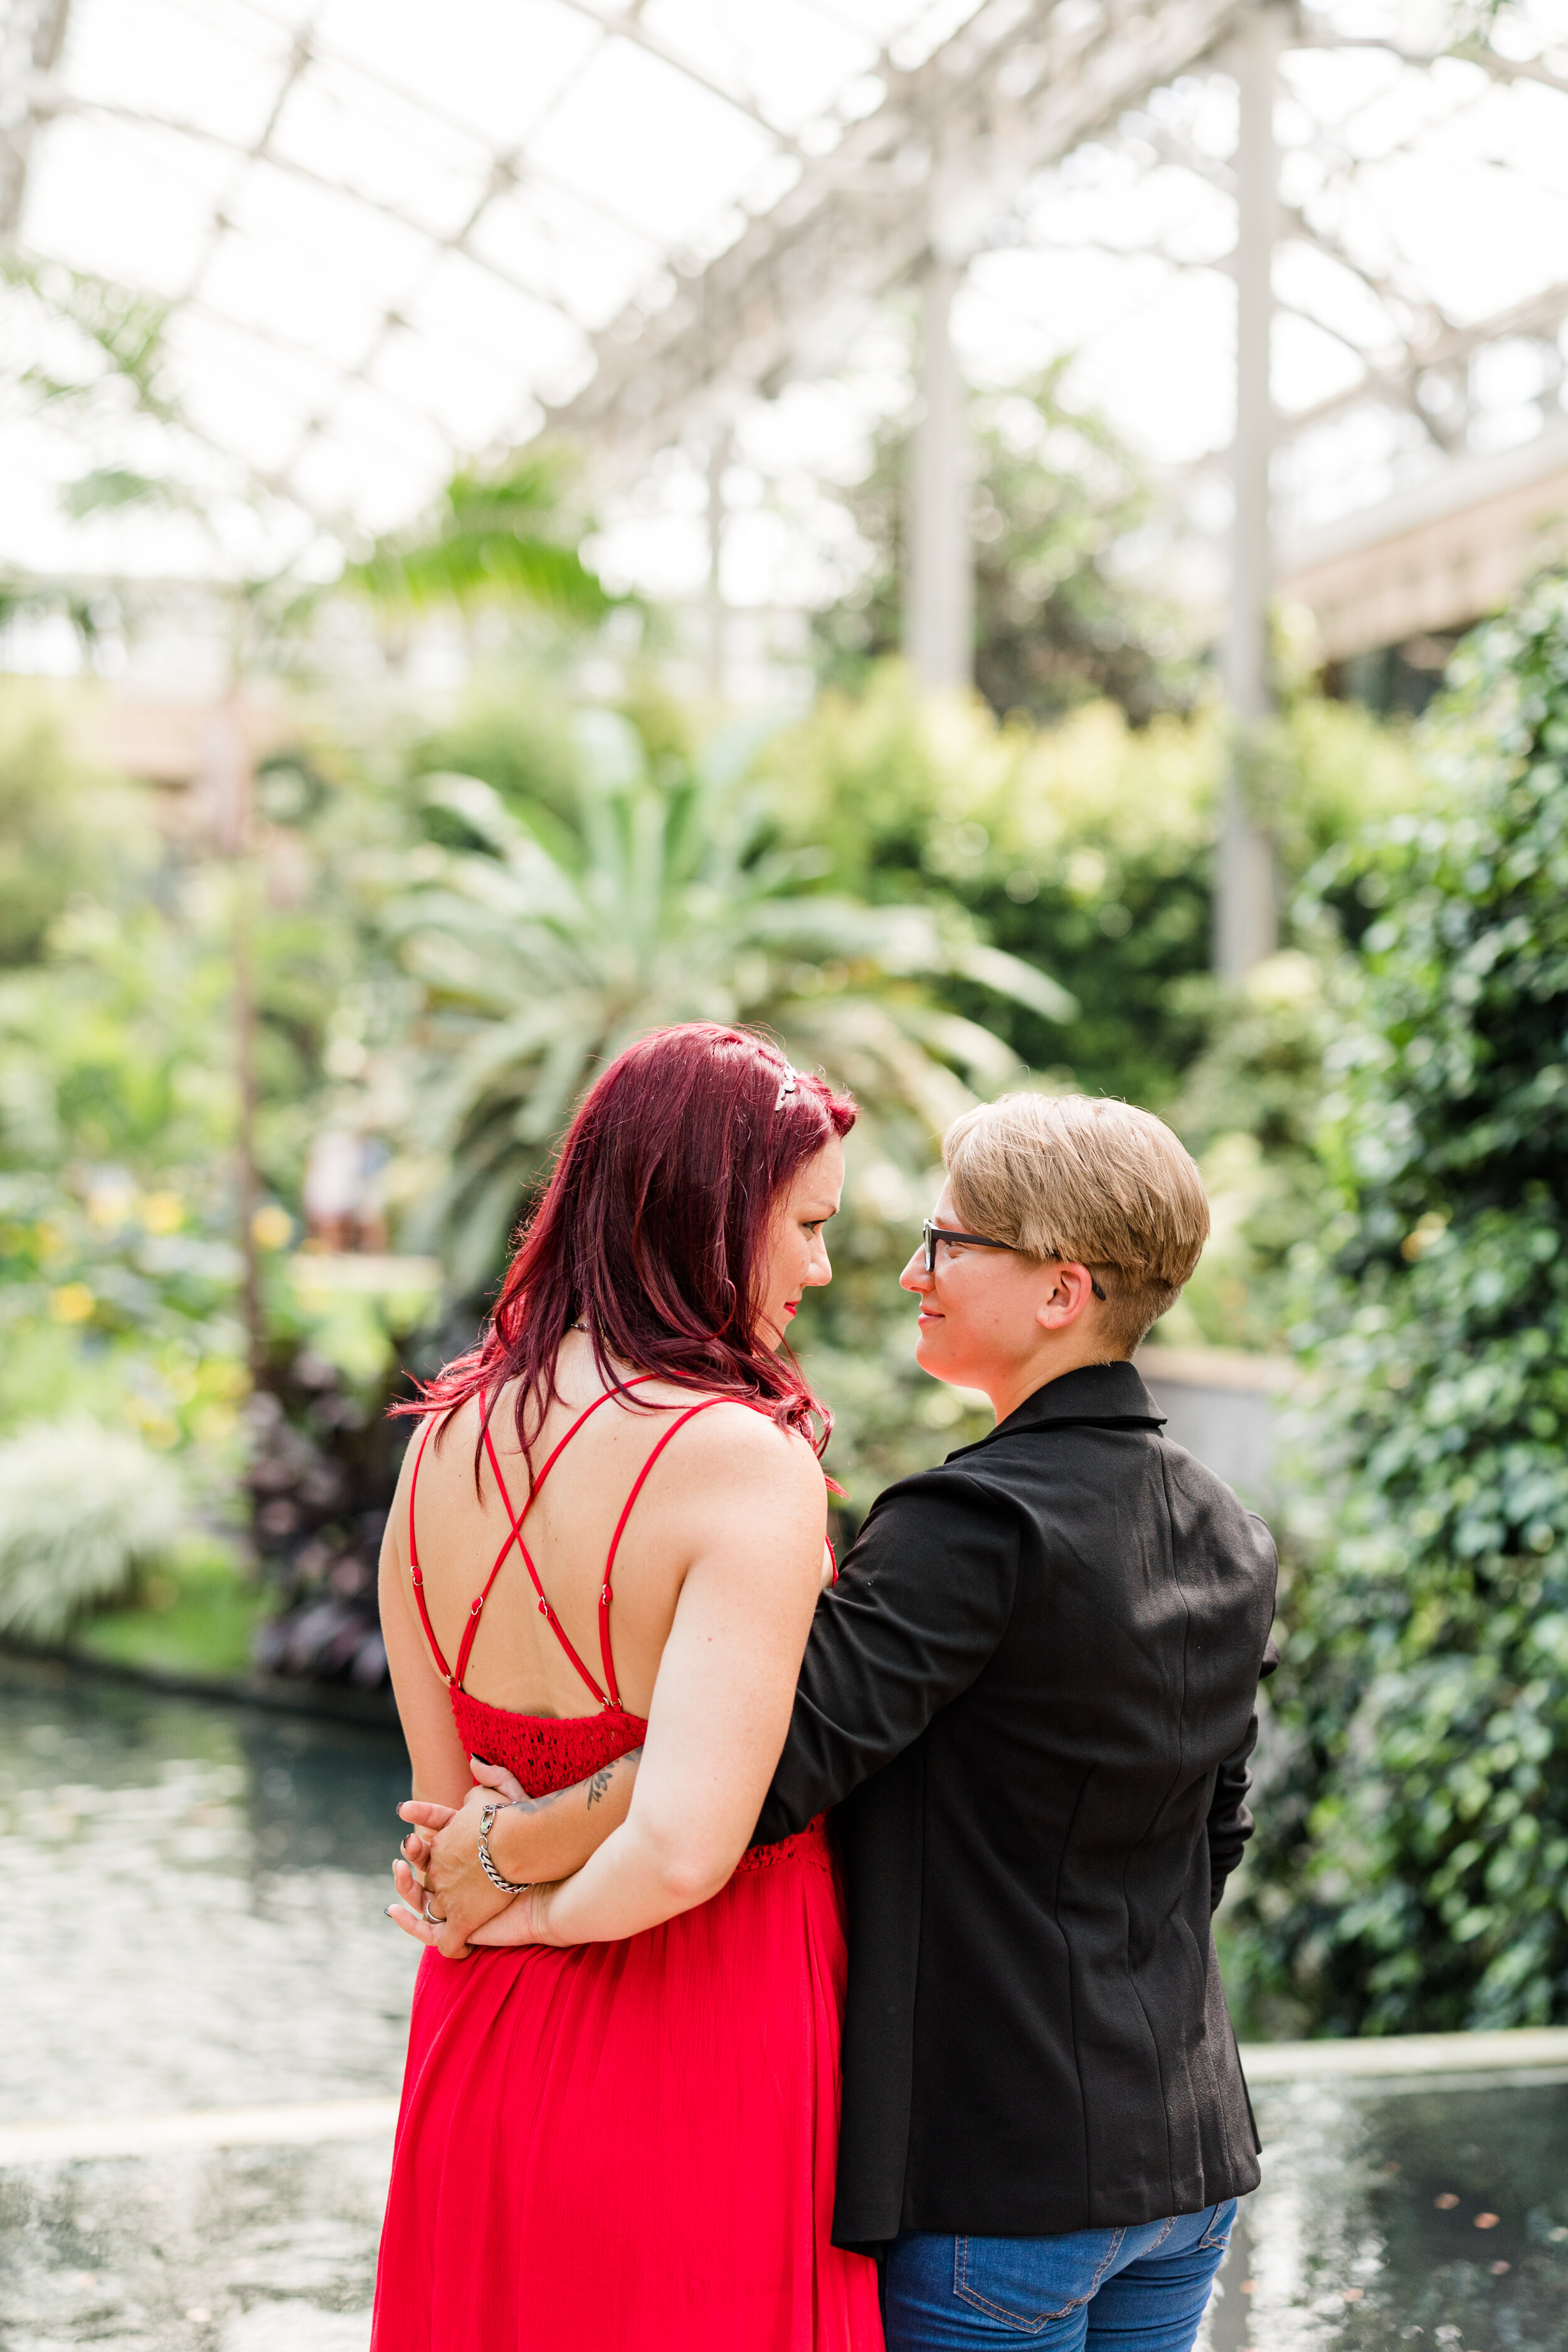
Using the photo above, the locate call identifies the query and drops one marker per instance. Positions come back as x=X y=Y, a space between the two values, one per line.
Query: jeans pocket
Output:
x=1220 y=2223
x=1024 y=2283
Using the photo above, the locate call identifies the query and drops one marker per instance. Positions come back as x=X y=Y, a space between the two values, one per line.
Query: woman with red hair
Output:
x=607 y=1543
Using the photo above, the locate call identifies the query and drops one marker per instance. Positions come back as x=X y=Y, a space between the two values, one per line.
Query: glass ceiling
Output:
x=389 y=240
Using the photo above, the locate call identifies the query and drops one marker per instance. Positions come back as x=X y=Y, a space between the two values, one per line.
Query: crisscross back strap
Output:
x=610 y=1694
x=606 y=1595
x=514 y=1535
x=454 y=1677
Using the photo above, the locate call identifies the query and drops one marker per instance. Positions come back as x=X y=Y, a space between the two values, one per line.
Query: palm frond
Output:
x=492 y=539
x=1009 y=975
x=537 y=976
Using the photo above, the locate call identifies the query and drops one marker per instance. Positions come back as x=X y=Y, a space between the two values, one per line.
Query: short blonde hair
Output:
x=1068 y=1176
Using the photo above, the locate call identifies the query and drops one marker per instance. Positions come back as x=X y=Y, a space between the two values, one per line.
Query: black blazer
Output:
x=1030 y=1697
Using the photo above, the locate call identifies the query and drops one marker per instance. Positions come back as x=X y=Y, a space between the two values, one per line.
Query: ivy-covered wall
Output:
x=1412 y=1863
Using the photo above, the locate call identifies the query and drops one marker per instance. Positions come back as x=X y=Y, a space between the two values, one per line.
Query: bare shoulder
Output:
x=734 y=1449
x=433 y=1442
x=394 y=1537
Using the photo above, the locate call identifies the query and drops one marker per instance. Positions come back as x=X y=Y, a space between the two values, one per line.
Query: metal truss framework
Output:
x=933 y=171
x=949 y=147
x=949 y=151
x=946 y=158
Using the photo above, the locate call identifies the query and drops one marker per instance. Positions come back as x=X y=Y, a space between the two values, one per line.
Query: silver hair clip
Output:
x=789 y=1085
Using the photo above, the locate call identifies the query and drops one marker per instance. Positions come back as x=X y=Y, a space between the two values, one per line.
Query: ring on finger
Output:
x=435 y=1918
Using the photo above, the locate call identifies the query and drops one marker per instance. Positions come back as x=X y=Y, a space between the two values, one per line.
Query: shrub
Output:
x=82 y=1508
x=1413 y=1857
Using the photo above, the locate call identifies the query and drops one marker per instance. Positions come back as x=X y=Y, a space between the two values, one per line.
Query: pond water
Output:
x=1391 y=2216
x=193 y=1923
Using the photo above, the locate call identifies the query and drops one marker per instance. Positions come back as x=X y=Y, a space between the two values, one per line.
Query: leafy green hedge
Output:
x=1412 y=1871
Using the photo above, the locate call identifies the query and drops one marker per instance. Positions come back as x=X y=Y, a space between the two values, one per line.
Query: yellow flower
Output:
x=162 y=1213
x=272 y=1227
x=73 y=1303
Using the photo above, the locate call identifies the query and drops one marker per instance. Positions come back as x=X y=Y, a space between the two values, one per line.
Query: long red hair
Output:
x=652 y=1230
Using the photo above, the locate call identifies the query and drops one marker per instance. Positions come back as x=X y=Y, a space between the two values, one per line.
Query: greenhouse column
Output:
x=718 y=651
x=1244 y=915
x=939 y=609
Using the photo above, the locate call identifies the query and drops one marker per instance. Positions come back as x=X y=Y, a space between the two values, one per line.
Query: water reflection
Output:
x=196 y=1904
x=321 y=1796
x=1432 y=2217
x=194 y=1920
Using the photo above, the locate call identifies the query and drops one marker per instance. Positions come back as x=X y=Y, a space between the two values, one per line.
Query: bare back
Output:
x=531 y=1626
x=516 y=1659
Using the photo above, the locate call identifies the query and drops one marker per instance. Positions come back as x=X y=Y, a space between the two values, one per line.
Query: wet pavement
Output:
x=192 y=1925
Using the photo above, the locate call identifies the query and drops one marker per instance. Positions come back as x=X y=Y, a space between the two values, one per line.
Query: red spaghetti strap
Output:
x=414 y=1569
x=514 y=1535
x=557 y=1451
x=606 y=1595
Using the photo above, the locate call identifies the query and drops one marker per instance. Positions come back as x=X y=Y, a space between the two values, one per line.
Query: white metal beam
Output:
x=1246 y=918
x=1021 y=85
x=32 y=33
x=939 y=588
x=1539 y=317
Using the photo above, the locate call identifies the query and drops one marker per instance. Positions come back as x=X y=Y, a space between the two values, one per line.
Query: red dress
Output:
x=627 y=2146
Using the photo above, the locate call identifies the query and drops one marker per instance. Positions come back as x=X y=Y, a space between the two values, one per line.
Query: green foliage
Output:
x=118 y=1203
x=63 y=829
x=514 y=729
x=115 y=346
x=1318 y=774
x=118 y=1268
x=495 y=537
x=196 y=1613
x=1082 y=848
x=1085 y=848
x=82 y=1508
x=1249 y=1105
x=1412 y=1856
x=103 y=384
x=1249 y=1111
x=1056 y=497
x=661 y=902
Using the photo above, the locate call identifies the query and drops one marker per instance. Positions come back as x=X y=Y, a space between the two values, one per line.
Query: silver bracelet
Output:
x=504 y=1886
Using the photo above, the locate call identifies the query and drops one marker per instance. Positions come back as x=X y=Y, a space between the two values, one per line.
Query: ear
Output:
x=1070 y=1299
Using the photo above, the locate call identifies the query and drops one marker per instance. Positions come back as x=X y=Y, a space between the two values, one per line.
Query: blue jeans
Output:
x=1140 y=2289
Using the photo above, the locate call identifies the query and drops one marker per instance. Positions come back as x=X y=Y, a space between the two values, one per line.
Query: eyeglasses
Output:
x=934 y=1233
